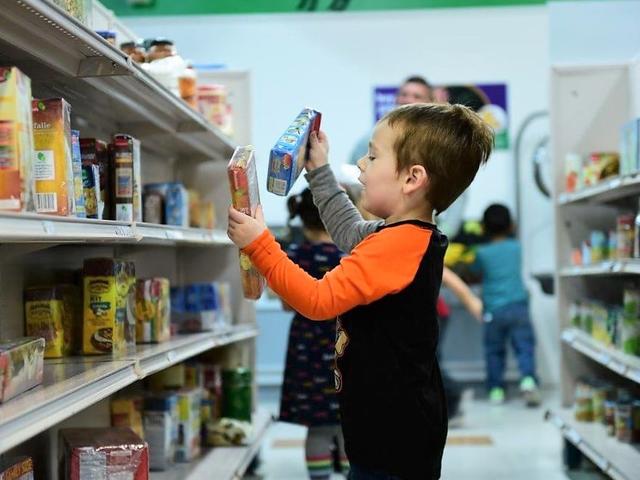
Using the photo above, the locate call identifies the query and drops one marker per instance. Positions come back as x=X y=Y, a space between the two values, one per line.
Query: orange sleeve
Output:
x=384 y=263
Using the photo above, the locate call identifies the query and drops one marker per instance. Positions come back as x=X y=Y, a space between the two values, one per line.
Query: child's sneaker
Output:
x=496 y=396
x=530 y=391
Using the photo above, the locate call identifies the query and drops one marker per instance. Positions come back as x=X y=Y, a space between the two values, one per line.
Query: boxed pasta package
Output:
x=153 y=310
x=21 y=366
x=53 y=314
x=245 y=197
x=290 y=152
x=16 y=140
x=106 y=288
x=105 y=453
x=127 y=190
x=52 y=160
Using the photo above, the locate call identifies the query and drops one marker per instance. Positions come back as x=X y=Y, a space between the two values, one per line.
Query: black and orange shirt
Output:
x=389 y=386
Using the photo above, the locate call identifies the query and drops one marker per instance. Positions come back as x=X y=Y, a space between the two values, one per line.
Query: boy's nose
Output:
x=361 y=163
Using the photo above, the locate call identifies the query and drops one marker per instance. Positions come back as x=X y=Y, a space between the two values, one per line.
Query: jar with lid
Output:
x=134 y=50
x=187 y=84
x=160 y=48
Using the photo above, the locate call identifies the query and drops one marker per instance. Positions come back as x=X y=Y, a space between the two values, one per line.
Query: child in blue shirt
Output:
x=506 y=306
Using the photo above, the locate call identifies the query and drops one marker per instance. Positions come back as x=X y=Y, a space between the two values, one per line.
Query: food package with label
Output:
x=130 y=321
x=289 y=154
x=21 y=366
x=208 y=215
x=95 y=152
x=104 y=311
x=93 y=204
x=214 y=105
x=103 y=453
x=78 y=189
x=225 y=315
x=161 y=429
x=127 y=412
x=16 y=468
x=16 y=141
x=52 y=160
x=53 y=313
x=153 y=208
x=189 y=424
x=245 y=197
x=194 y=209
x=176 y=202
x=153 y=310
x=200 y=306
x=121 y=151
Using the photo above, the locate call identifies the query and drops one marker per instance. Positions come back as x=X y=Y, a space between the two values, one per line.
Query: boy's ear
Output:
x=417 y=178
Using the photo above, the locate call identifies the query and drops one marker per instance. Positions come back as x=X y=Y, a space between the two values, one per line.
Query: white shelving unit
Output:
x=618 y=460
x=589 y=106
x=108 y=94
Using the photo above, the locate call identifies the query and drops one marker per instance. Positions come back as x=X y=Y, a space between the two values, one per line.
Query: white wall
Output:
x=596 y=31
x=332 y=62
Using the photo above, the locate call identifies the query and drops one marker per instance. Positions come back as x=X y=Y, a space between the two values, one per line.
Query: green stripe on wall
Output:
x=200 y=7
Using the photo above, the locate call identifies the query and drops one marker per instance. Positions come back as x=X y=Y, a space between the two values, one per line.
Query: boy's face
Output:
x=382 y=186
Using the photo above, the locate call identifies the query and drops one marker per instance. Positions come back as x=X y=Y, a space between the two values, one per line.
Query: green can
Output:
x=237 y=394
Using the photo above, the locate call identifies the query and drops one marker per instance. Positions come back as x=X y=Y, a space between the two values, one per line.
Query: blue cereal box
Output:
x=290 y=152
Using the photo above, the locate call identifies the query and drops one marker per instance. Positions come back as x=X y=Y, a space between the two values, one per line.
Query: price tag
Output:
x=171 y=356
x=615 y=267
x=615 y=183
x=603 y=358
x=573 y=436
x=557 y=421
x=123 y=232
x=569 y=336
x=48 y=227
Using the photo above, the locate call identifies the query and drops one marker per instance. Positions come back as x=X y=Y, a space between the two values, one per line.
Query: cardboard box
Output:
x=20 y=468
x=153 y=310
x=95 y=152
x=288 y=156
x=78 y=185
x=16 y=140
x=21 y=364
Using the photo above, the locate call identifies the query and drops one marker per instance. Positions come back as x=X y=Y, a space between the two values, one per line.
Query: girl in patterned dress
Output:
x=308 y=391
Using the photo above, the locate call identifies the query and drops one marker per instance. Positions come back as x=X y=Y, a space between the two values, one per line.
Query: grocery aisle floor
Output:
x=494 y=443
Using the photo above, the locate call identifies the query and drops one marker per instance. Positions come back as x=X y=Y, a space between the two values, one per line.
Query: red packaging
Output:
x=103 y=453
x=245 y=196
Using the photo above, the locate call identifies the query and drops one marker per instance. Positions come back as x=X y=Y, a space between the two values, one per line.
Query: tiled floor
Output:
x=495 y=443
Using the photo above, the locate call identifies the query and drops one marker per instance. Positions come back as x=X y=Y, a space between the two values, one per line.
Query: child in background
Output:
x=308 y=392
x=392 y=405
x=506 y=306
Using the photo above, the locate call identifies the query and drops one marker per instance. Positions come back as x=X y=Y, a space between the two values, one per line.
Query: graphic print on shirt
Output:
x=342 y=340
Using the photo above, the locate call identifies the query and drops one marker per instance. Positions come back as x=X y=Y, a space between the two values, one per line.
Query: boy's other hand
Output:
x=244 y=229
x=318 y=151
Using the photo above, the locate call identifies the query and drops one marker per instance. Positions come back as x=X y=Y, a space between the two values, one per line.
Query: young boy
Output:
x=506 y=306
x=421 y=158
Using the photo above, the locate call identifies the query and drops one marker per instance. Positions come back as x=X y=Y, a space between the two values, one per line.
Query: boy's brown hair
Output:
x=449 y=141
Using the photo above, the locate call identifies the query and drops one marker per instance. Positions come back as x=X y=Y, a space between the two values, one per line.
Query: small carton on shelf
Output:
x=16 y=140
x=94 y=152
x=127 y=412
x=175 y=200
x=189 y=424
x=104 y=312
x=161 y=429
x=78 y=188
x=289 y=154
x=122 y=164
x=53 y=314
x=52 y=161
x=16 y=468
x=21 y=366
x=153 y=310
x=105 y=453
x=245 y=197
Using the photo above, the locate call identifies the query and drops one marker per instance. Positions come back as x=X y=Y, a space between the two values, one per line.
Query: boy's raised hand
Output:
x=318 y=151
x=244 y=229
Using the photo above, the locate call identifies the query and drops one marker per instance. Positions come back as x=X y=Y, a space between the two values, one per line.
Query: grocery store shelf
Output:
x=626 y=365
x=221 y=463
x=615 y=267
x=606 y=191
x=65 y=58
x=155 y=357
x=72 y=384
x=618 y=460
x=34 y=228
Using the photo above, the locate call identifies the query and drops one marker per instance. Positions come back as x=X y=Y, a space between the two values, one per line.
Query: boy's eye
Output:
x=371 y=158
